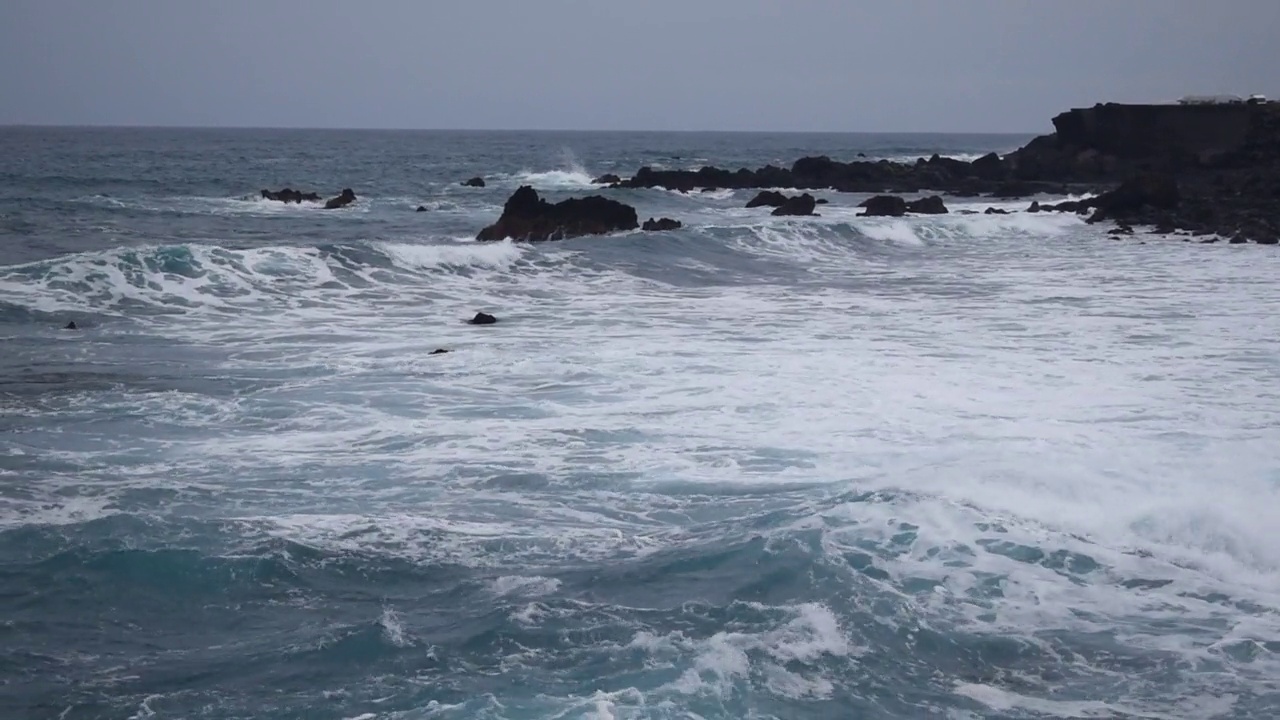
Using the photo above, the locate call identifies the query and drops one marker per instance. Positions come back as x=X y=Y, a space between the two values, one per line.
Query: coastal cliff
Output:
x=1221 y=161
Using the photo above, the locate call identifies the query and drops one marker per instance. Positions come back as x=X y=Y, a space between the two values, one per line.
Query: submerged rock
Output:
x=71 y=326
x=607 y=179
x=664 y=224
x=931 y=205
x=482 y=318
x=767 y=198
x=347 y=197
x=801 y=205
x=995 y=211
x=441 y=351
x=527 y=217
x=884 y=206
x=421 y=208
x=289 y=195
x=476 y=182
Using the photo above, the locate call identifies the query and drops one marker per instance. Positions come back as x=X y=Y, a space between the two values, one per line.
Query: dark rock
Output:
x=527 y=217
x=1268 y=240
x=995 y=211
x=966 y=212
x=71 y=326
x=767 y=198
x=442 y=351
x=988 y=167
x=346 y=198
x=931 y=205
x=1223 y=159
x=662 y=225
x=1014 y=189
x=884 y=205
x=1159 y=192
x=476 y=182
x=607 y=179
x=421 y=208
x=483 y=319
x=1121 y=229
x=822 y=201
x=801 y=205
x=289 y=195
x=1035 y=207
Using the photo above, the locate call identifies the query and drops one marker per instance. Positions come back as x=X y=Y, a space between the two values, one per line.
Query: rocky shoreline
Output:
x=1201 y=169
x=1208 y=170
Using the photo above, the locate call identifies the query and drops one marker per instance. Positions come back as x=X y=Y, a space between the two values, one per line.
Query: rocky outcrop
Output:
x=345 y=198
x=767 y=198
x=884 y=206
x=289 y=195
x=421 y=208
x=799 y=205
x=476 y=182
x=527 y=217
x=607 y=179
x=1224 y=159
x=662 y=225
x=482 y=318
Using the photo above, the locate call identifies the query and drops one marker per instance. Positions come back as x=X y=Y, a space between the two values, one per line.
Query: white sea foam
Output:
x=465 y=254
x=556 y=179
x=1059 y=432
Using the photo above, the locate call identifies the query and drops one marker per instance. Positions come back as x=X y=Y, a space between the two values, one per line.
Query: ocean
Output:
x=957 y=466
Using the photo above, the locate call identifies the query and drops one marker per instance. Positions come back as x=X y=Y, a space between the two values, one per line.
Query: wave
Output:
x=556 y=179
x=181 y=279
x=185 y=279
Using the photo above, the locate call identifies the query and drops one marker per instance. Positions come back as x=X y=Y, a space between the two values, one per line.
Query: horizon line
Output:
x=110 y=126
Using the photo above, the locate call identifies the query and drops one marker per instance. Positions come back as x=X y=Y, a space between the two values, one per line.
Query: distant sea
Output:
x=958 y=466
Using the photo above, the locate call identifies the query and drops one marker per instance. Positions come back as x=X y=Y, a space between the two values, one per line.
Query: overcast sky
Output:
x=893 y=65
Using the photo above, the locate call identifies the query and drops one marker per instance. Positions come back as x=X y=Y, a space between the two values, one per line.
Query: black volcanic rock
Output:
x=421 y=208
x=988 y=167
x=476 y=182
x=799 y=205
x=482 y=318
x=884 y=206
x=527 y=217
x=289 y=195
x=1146 y=192
x=347 y=197
x=607 y=179
x=767 y=198
x=1223 y=158
x=931 y=205
x=995 y=211
x=662 y=225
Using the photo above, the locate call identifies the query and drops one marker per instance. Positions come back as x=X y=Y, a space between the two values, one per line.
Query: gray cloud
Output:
x=906 y=65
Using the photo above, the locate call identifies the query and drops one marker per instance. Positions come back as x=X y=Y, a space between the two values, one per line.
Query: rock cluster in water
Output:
x=528 y=218
x=661 y=225
x=1206 y=169
x=289 y=195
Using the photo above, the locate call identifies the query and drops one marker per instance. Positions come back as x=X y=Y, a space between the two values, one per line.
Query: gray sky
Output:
x=895 y=65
